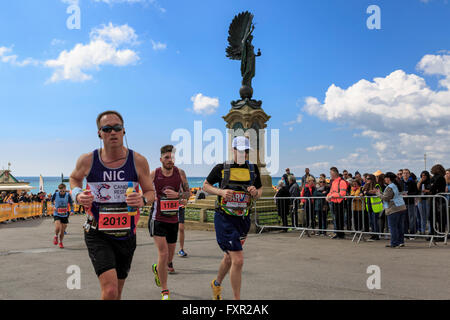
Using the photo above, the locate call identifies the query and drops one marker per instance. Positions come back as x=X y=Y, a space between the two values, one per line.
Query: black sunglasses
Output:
x=108 y=129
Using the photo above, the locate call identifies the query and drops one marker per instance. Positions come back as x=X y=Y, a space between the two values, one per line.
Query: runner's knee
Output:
x=110 y=292
x=237 y=260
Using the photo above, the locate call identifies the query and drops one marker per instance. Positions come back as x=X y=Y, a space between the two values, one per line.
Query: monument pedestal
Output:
x=250 y=120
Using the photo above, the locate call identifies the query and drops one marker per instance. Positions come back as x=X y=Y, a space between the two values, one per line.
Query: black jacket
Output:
x=283 y=204
x=437 y=184
x=411 y=187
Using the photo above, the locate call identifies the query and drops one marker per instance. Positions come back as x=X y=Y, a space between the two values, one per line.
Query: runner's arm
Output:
x=186 y=191
x=210 y=189
x=81 y=170
x=145 y=179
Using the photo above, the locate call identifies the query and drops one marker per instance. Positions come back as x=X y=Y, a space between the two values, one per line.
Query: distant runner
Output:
x=61 y=201
x=240 y=184
x=110 y=229
x=181 y=217
x=171 y=188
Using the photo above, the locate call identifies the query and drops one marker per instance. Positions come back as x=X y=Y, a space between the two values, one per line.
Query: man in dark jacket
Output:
x=283 y=204
x=410 y=188
x=438 y=186
x=294 y=191
x=285 y=177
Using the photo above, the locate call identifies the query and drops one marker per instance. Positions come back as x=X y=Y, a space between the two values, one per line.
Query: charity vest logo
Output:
x=109 y=191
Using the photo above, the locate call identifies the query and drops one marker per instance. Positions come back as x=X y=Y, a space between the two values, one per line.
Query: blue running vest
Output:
x=61 y=205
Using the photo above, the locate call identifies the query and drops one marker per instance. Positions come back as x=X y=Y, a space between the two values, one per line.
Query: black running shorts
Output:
x=163 y=229
x=64 y=220
x=181 y=214
x=107 y=253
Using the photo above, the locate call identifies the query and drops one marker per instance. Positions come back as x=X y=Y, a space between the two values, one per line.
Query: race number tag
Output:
x=62 y=210
x=170 y=207
x=114 y=219
x=238 y=204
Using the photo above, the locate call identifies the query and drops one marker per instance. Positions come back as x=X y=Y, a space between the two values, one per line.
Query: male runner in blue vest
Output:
x=240 y=184
x=61 y=200
x=111 y=230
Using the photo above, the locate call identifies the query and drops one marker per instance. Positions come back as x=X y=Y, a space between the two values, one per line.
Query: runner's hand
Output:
x=227 y=194
x=171 y=194
x=253 y=191
x=135 y=200
x=85 y=198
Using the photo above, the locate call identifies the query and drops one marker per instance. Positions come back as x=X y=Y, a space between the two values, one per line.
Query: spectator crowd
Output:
x=365 y=202
x=15 y=197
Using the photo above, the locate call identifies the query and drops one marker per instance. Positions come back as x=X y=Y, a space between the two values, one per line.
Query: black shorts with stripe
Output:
x=107 y=253
x=163 y=229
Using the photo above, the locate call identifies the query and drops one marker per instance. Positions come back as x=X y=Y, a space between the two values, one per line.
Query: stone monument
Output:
x=246 y=116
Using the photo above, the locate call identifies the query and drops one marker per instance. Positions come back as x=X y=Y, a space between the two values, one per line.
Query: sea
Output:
x=51 y=183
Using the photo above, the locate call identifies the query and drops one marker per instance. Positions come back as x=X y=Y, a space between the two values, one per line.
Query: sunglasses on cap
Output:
x=108 y=129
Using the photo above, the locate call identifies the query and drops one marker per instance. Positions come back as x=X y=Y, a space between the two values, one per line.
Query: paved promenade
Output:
x=277 y=266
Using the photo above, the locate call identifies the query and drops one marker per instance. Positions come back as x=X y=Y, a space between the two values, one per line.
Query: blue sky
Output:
x=148 y=59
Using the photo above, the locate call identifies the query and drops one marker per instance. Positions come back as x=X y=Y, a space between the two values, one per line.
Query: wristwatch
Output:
x=145 y=200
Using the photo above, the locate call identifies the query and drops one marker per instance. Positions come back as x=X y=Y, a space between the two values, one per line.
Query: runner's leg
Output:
x=171 y=247
x=58 y=227
x=62 y=229
x=121 y=283
x=163 y=260
x=224 y=267
x=109 y=285
x=237 y=262
x=181 y=226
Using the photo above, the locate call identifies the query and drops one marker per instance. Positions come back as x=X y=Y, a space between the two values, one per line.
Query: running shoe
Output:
x=165 y=295
x=158 y=283
x=170 y=268
x=181 y=253
x=217 y=291
x=61 y=245
x=55 y=240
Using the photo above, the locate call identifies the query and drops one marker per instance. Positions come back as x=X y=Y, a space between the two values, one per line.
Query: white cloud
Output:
x=204 y=105
x=158 y=46
x=6 y=56
x=400 y=112
x=320 y=147
x=115 y=35
x=103 y=49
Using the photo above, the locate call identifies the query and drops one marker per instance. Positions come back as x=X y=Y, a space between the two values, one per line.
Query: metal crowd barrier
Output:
x=284 y=207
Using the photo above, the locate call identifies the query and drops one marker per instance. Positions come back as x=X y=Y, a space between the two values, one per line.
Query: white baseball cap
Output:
x=241 y=143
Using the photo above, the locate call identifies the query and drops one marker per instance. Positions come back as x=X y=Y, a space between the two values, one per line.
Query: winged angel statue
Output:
x=240 y=48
